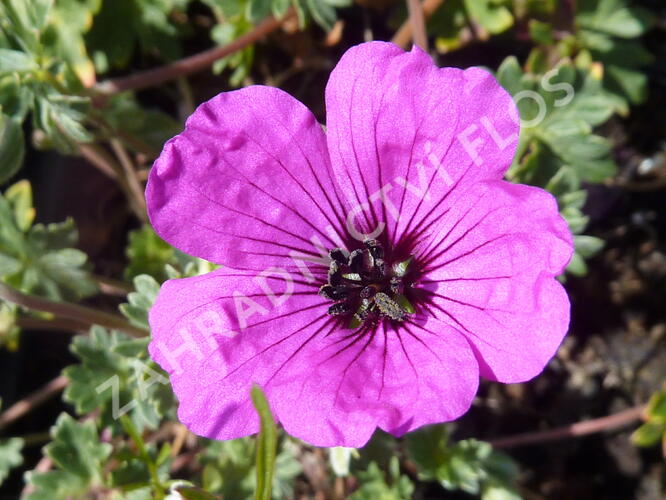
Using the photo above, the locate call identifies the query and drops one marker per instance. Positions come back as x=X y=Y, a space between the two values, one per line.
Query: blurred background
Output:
x=89 y=92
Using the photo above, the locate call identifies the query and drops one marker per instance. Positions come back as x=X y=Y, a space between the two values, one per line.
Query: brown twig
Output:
x=110 y=286
x=417 y=22
x=101 y=159
x=59 y=324
x=583 y=428
x=134 y=188
x=70 y=311
x=190 y=64
x=404 y=35
x=32 y=401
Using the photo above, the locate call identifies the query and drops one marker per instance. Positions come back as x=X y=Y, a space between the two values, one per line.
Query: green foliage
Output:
x=148 y=129
x=9 y=331
x=450 y=22
x=39 y=259
x=12 y=147
x=10 y=456
x=122 y=26
x=78 y=456
x=653 y=431
x=116 y=377
x=374 y=484
x=230 y=469
x=469 y=465
x=607 y=29
x=558 y=149
x=139 y=302
x=148 y=254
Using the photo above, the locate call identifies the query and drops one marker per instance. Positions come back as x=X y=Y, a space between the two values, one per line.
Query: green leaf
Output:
x=657 y=406
x=147 y=254
x=12 y=147
x=577 y=265
x=19 y=196
x=140 y=301
x=78 y=455
x=9 y=331
x=510 y=74
x=76 y=447
x=16 y=61
x=323 y=13
x=648 y=434
x=116 y=376
x=279 y=7
x=39 y=259
x=266 y=445
x=194 y=493
x=492 y=15
x=258 y=9
x=541 y=32
x=10 y=456
x=588 y=246
x=375 y=486
x=468 y=465
x=612 y=17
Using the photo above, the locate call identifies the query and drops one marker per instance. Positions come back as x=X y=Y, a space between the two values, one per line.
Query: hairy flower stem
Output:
x=74 y=312
x=133 y=433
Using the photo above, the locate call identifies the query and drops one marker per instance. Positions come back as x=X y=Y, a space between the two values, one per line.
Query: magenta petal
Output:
x=491 y=276
x=219 y=333
x=400 y=128
x=395 y=379
x=327 y=385
x=247 y=183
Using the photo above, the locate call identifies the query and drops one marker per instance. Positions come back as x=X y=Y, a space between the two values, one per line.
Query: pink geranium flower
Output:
x=376 y=268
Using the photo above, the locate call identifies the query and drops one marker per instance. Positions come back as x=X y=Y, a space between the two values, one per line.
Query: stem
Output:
x=74 y=312
x=110 y=286
x=98 y=158
x=32 y=401
x=131 y=429
x=133 y=185
x=193 y=63
x=583 y=428
x=101 y=159
x=404 y=34
x=58 y=324
x=417 y=22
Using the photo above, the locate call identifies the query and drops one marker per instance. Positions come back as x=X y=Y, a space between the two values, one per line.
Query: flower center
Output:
x=364 y=287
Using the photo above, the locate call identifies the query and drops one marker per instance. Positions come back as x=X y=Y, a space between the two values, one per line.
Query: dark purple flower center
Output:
x=365 y=288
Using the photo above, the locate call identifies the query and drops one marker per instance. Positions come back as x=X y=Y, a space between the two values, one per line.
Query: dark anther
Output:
x=339 y=255
x=334 y=293
x=365 y=288
x=339 y=309
x=376 y=249
x=356 y=261
x=334 y=274
x=397 y=286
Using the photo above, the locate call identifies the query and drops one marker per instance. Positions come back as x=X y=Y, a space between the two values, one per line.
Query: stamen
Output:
x=365 y=287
